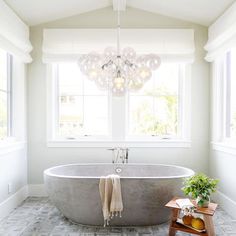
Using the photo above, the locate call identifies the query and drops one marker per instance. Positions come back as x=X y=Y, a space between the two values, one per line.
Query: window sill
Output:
x=129 y=144
x=10 y=145
x=229 y=148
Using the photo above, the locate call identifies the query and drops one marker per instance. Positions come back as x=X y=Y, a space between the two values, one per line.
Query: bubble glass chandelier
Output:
x=119 y=70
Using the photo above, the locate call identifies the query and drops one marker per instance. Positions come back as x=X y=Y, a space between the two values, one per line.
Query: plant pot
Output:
x=203 y=202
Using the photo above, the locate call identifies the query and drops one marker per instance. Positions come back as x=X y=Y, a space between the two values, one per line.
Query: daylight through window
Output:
x=83 y=109
x=5 y=95
x=156 y=111
x=230 y=95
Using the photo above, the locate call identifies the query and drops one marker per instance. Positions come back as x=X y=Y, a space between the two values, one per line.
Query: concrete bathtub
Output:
x=145 y=190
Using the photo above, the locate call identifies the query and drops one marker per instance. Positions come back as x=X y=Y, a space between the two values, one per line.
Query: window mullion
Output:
x=220 y=99
x=118 y=117
x=56 y=92
x=9 y=95
x=181 y=94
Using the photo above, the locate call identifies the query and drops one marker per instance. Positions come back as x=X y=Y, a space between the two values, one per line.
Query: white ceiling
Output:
x=203 y=12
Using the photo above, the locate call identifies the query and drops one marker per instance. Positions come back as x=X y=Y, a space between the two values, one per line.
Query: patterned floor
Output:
x=38 y=217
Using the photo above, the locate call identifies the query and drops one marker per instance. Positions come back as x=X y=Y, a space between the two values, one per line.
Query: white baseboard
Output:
x=37 y=190
x=13 y=201
x=226 y=203
x=32 y=190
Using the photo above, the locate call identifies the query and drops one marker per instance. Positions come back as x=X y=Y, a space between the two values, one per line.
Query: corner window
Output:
x=79 y=110
x=5 y=95
x=224 y=100
x=230 y=95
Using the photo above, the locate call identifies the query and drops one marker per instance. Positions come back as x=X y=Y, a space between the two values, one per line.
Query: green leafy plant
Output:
x=200 y=186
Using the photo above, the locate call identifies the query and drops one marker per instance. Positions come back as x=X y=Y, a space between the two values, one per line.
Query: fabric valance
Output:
x=69 y=44
x=14 y=34
x=222 y=35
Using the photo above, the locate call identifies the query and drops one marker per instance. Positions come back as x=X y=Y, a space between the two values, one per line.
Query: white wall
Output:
x=13 y=160
x=42 y=157
x=13 y=169
x=223 y=167
x=222 y=163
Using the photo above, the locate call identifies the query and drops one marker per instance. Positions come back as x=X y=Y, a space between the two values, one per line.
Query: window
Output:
x=154 y=110
x=230 y=95
x=5 y=95
x=83 y=109
x=79 y=110
x=224 y=102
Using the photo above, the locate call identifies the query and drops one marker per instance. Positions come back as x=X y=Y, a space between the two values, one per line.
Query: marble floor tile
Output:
x=38 y=217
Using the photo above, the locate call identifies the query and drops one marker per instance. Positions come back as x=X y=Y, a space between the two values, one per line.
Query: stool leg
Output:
x=209 y=225
x=175 y=214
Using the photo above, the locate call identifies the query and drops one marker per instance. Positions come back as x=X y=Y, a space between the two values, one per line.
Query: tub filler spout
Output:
x=120 y=155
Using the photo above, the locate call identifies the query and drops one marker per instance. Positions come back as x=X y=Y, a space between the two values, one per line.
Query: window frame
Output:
x=8 y=91
x=53 y=111
x=181 y=133
x=16 y=139
x=227 y=98
x=118 y=136
x=221 y=102
x=9 y=85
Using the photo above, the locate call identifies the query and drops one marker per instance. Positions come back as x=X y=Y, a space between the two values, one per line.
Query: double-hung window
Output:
x=79 y=110
x=227 y=73
x=224 y=100
x=5 y=95
x=230 y=95
x=156 y=110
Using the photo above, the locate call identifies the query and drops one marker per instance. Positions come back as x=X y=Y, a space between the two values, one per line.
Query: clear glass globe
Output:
x=93 y=73
x=110 y=53
x=153 y=61
x=135 y=84
x=118 y=72
x=144 y=73
x=129 y=53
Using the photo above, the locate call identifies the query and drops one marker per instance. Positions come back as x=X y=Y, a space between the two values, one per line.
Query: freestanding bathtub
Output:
x=74 y=189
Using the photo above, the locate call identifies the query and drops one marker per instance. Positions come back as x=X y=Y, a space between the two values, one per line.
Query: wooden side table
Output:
x=207 y=217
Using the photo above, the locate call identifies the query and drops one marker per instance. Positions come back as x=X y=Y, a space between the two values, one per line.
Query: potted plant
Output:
x=200 y=187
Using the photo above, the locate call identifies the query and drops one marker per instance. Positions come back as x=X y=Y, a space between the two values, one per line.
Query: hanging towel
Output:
x=116 y=206
x=111 y=197
x=105 y=189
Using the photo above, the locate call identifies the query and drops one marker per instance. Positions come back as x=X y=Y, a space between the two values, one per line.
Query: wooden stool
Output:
x=207 y=213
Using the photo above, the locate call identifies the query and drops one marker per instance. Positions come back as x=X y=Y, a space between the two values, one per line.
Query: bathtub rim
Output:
x=48 y=170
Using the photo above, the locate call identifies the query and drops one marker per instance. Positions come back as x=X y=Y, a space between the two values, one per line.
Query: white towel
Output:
x=111 y=197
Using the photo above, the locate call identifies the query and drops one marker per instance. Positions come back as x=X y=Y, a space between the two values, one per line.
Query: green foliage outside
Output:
x=149 y=123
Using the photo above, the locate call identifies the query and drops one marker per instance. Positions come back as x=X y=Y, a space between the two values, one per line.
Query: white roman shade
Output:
x=14 y=34
x=69 y=44
x=222 y=35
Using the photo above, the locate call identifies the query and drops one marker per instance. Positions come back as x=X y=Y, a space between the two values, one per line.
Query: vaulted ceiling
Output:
x=202 y=12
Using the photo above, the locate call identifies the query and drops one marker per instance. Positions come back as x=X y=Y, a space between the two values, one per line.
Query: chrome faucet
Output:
x=126 y=155
x=120 y=153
